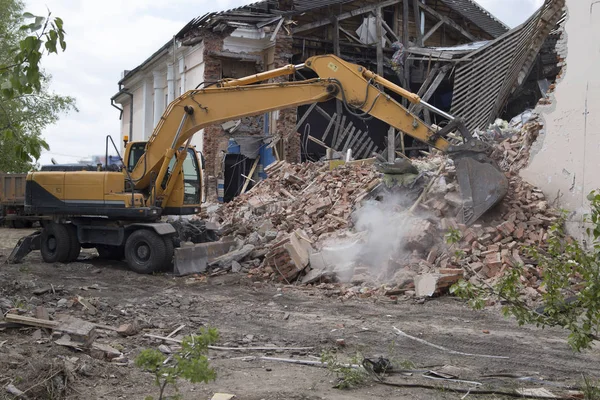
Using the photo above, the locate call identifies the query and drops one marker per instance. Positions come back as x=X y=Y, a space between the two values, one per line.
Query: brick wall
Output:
x=212 y=72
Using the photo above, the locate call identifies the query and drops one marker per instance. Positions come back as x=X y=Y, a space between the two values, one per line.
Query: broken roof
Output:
x=475 y=13
x=260 y=12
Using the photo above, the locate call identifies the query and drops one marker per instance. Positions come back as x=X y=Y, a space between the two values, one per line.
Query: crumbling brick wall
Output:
x=212 y=73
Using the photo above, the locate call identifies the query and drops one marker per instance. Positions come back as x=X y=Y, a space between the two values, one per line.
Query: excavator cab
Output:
x=187 y=193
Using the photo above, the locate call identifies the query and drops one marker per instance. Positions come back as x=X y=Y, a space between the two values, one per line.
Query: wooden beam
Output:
x=405 y=24
x=432 y=31
x=277 y=28
x=343 y=16
x=249 y=177
x=336 y=36
x=449 y=22
x=434 y=85
x=417 y=13
x=425 y=84
x=405 y=39
x=390 y=31
x=379 y=34
x=350 y=35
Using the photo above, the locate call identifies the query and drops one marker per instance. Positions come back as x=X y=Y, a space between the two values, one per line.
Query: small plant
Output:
x=570 y=283
x=453 y=238
x=347 y=375
x=591 y=390
x=189 y=363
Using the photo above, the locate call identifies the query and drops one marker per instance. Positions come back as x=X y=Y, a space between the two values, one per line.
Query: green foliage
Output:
x=189 y=363
x=591 y=390
x=26 y=105
x=347 y=375
x=20 y=70
x=571 y=283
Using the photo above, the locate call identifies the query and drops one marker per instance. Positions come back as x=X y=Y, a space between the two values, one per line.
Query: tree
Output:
x=27 y=105
x=571 y=283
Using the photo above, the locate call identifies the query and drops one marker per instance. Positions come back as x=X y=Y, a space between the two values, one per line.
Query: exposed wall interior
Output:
x=565 y=160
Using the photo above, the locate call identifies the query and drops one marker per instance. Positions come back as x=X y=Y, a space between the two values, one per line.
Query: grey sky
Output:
x=106 y=37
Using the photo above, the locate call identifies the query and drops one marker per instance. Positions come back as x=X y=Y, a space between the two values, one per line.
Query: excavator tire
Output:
x=55 y=243
x=169 y=253
x=75 y=247
x=145 y=251
x=107 y=252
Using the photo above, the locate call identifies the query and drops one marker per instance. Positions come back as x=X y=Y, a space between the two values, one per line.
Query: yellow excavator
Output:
x=120 y=213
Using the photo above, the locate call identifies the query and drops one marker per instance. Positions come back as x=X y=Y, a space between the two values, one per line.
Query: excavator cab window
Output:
x=191 y=178
x=136 y=151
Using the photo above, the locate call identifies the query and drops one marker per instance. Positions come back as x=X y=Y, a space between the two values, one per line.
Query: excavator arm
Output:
x=362 y=94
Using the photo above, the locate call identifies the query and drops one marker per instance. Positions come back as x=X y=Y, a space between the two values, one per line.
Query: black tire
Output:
x=107 y=252
x=145 y=251
x=56 y=243
x=75 y=247
x=169 y=253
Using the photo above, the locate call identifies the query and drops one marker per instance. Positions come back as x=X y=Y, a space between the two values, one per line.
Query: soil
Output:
x=248 y=313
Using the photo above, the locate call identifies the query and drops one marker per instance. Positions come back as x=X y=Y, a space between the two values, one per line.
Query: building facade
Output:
x=270 y=34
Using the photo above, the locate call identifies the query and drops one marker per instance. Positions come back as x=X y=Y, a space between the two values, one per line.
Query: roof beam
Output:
x=343 y=16
x=448 y=22
x=432 y=31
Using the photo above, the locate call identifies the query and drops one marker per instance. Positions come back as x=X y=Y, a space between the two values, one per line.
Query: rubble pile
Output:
x=306 y=196
x=512 y=153
x=308 y=199
x=298 y=224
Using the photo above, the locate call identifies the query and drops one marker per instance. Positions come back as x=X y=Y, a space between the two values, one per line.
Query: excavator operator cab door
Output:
x=192 y=191
x=134 y=151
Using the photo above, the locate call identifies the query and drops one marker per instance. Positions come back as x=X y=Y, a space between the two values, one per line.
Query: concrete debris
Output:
x=310 y=223
x=296 y=207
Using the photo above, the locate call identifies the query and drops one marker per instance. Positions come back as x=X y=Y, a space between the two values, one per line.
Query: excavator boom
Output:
x=359 y=90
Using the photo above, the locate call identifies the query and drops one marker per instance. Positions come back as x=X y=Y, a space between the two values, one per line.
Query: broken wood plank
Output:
x=379 y=34
x=343 y=16
x=331 y=122
x=266 y=348
x=277 y=28
x=247 y=182
x=417 y=15
x=400 y=333
x=30 y=321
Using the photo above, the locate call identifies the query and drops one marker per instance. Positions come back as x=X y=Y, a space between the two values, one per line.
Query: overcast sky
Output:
x=108 y=36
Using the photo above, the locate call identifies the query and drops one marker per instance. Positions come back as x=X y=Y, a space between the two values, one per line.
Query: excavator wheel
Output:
x=145 y=251
x=75 y=247
x=55 y=243
x=169 y=253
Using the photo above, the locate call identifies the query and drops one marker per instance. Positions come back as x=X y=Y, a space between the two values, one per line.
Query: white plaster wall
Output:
x=125 y=122
x=565 y=163
x=138 y=113
x=143 y=118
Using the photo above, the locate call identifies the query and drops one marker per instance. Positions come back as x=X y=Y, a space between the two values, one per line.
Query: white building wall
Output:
x=151 y=91
x=565 y=162
x=138 y=113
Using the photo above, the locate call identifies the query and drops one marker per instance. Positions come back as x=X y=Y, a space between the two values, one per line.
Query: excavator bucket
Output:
x=482 y=186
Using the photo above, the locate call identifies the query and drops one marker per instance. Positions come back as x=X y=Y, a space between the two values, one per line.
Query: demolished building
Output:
x=436 y=49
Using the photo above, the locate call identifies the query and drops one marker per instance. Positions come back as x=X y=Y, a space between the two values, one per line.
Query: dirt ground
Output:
x=250 y=313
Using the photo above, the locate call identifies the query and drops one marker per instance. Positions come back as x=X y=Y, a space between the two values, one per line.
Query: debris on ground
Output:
x=313 y=224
